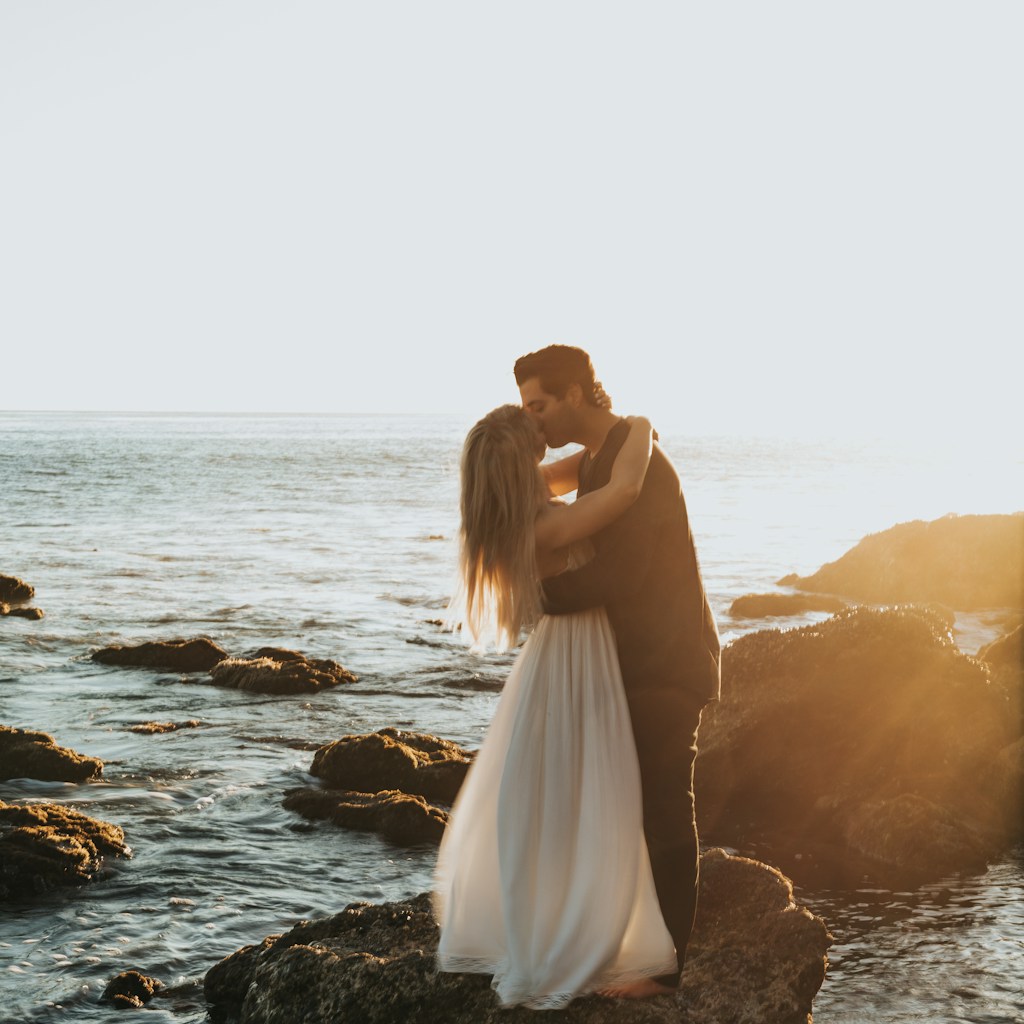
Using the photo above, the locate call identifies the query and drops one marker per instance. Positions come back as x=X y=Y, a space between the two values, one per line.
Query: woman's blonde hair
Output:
x=502 y=491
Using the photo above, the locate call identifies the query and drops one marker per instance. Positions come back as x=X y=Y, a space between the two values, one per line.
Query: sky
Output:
x=758 y=218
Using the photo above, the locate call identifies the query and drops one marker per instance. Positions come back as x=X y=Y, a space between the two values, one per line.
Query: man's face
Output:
x=556 y=417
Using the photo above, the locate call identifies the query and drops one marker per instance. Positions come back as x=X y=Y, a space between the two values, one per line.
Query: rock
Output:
x=389 y=759
x=761 y=606
x=48 y=846
x=199 y=655
x=400 y=817
x=15 y=591
x=160 y=727
x=1005 y=654
x=912 y=832
x=966 y=562
x=21 y=613
x=276 y=670
x=35 y=755
x=755 y=958
x=131 y=990
x=873 y=712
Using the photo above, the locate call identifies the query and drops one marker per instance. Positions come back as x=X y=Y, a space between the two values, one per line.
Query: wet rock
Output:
x=966 y=562
x=131 y=990
x=755 y=958
x=49 y=846
x=400 y=817
x=391 y=759
x=150 y=728
x=762 y=606
x=15 y=591
x=276 y=670
x=874 y=713
x=21 y=613
x=198 y=655
x=35 y=755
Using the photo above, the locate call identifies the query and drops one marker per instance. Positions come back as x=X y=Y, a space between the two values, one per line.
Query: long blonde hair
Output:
x=502 y=491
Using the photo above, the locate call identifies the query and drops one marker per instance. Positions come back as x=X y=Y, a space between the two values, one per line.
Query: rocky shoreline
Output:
x=846 y=738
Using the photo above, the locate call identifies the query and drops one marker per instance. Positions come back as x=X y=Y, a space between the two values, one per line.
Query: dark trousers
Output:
x=665 y=729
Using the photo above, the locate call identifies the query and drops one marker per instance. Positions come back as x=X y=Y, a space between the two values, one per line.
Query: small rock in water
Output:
x=400 y=817
x=197 y=655
x=14 y=590
x=392 y=759
x=49 y=846
x=21 y=613
x=276 y=670
x=131 y=990
x=161 y=727
x=35 y=755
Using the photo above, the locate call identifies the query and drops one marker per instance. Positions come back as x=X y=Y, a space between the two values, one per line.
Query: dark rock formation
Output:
x=150 y=728
x=131 y=990
x=755 y=958
x=277 y=670
x=966 y=562
x=199 y=655
x=35 y=755
x=871 y=732
x=400 y=817
x=761 y=606
x=390 y=759
x=48 y=846
x=21 y=613
x=15 y=591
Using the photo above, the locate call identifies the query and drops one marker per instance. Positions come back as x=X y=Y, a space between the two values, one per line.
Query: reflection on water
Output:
x=950 y=951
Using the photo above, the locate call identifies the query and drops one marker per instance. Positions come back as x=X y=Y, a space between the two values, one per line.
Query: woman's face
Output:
x=540 y=445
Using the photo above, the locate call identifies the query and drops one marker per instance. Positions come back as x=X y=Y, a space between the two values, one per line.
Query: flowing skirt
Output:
x=543 y=877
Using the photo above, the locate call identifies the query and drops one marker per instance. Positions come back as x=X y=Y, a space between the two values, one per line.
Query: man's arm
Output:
x=619 y=569
x=563 y=475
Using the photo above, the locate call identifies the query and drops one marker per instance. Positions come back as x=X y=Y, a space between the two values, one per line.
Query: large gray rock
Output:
x=49 y=846
x=35 y=755
x=755 y=958
x=870 y=734
x=966 y=562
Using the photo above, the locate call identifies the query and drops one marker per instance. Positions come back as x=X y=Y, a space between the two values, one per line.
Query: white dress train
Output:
x=543 y=877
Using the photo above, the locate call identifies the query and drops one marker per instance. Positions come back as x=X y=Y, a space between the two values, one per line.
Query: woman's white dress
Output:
x=543 y=877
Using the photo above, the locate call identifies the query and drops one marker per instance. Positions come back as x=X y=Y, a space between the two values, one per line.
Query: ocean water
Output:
x=335 y=536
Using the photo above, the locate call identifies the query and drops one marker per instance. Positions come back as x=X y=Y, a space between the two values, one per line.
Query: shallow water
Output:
x=333 y=536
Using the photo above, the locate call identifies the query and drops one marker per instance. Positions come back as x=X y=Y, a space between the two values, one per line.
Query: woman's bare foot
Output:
x=646 y=988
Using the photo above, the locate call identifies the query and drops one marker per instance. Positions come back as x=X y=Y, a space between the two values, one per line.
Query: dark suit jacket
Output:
x=647 y=577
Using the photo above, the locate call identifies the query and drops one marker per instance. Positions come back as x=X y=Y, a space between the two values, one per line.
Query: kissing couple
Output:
x=569 y=863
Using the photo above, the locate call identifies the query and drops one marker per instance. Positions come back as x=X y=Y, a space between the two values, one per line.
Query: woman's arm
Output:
x=563 y=475
x=559 y=525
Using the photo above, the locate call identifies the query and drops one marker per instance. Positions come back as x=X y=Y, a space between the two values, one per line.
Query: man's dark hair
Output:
x=557 y=367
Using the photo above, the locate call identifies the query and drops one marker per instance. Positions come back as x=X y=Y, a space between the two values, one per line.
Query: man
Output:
x=646 y=575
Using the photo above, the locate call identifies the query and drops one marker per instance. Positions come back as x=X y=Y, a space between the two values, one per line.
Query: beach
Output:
x=336 y=537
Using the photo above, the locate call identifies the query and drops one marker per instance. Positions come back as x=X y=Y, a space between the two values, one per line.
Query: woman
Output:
x=543 y=877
